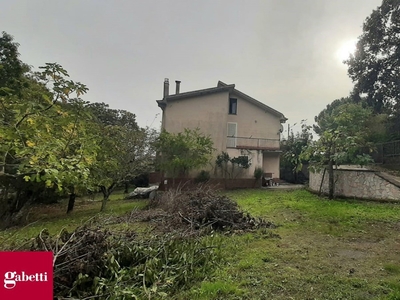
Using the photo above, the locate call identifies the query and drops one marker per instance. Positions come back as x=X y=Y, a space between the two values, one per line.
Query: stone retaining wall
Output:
x=362 y=183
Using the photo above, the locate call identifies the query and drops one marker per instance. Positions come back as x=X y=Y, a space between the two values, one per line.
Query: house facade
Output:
x=237 y=124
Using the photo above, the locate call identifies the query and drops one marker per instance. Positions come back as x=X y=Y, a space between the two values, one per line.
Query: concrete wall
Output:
x=363 y=184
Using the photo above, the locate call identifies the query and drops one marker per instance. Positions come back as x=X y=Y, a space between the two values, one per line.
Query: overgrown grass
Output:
x=53 y=217
x=322 y=249
x=326 y=250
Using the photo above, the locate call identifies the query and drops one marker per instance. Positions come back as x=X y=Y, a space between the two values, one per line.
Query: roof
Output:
x=221 y=87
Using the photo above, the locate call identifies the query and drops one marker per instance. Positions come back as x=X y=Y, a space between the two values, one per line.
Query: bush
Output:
x=202 y=177
x=258 y=173
x=141 y=180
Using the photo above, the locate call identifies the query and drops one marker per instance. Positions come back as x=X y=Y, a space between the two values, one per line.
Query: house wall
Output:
x=255 y=158
x=254 y=122
x=210 y=113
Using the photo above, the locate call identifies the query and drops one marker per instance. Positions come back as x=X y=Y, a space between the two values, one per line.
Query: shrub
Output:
x=258 y=173
x=203 y=176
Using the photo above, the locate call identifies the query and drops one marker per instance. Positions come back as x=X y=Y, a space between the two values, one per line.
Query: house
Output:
x=237 y=123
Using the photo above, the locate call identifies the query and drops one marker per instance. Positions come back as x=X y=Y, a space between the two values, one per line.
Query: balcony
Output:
x=250 y=143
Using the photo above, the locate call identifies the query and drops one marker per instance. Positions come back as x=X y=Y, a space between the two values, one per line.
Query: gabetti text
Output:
x=11 y=278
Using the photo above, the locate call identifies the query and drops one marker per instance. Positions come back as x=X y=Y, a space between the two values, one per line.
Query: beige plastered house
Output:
x=237 y=123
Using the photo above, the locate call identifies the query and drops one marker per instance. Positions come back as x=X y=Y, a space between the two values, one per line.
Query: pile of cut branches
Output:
x=79 y=252
x=95 y=263
x=204 y=208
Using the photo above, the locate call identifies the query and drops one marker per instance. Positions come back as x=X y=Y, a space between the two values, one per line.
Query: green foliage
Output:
x=376 y=62
x=324 y=119
x=155 y=267
x=203 y=176
x=216 y=290
x=52 y=139
x=342 y=135
x=125 y=149
x=375 y=66
x=11 y=67
x=231 y=166
x=258 y=173
x=45 y=142
x=182 y=152
x=291 y=160
x=242 y=161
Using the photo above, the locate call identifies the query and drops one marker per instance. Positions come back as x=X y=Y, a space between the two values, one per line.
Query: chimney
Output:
x=178 y=85
x=166 y=87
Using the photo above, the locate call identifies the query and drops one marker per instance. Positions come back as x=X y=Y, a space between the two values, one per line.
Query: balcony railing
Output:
x=251 y=143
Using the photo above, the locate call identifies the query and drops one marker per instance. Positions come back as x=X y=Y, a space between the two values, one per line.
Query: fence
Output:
x=387 y=152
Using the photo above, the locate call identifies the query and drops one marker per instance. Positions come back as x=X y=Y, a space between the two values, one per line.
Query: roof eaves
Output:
x=203 y=92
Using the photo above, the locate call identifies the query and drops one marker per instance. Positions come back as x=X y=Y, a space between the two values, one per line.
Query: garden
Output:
x=272 y=245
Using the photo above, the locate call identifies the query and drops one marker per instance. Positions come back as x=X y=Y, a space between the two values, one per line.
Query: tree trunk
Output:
x=17 y=218
x=126 y=184
x=71 y=202
x=106 y=194
x=331 y=179
x=322 y=183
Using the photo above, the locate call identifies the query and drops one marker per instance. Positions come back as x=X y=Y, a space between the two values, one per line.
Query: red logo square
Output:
x=26 y=275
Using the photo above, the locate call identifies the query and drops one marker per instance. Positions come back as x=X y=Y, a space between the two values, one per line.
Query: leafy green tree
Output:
x=324 y=121
x=44 y=142
x=12 y=69
x=125 y=149
x=342 y=135
x=375 y=66
x=292 y=149
x=182 y=152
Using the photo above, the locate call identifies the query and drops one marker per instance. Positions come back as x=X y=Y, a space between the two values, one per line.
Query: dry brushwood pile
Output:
x=94 y=263
x=202 y=208
x=79 y=252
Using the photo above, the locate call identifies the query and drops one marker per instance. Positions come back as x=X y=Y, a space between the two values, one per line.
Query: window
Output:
x=232 y=132
x=232 y=106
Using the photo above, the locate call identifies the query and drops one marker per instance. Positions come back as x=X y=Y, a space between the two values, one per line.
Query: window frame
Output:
x=233 y=103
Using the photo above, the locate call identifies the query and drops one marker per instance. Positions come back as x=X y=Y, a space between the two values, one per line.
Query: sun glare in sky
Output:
x=345 y=50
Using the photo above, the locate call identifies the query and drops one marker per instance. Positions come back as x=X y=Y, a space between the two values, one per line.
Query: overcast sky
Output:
x=281 y=52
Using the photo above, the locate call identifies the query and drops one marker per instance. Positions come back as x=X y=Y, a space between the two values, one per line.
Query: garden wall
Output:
x=358 y=183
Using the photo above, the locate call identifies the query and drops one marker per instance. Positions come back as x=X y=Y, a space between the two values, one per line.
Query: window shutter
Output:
x=232 y=133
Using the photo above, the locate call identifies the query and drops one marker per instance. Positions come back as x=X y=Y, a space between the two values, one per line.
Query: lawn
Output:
x=53 y=217
x=321 y=249
x=325 y=250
